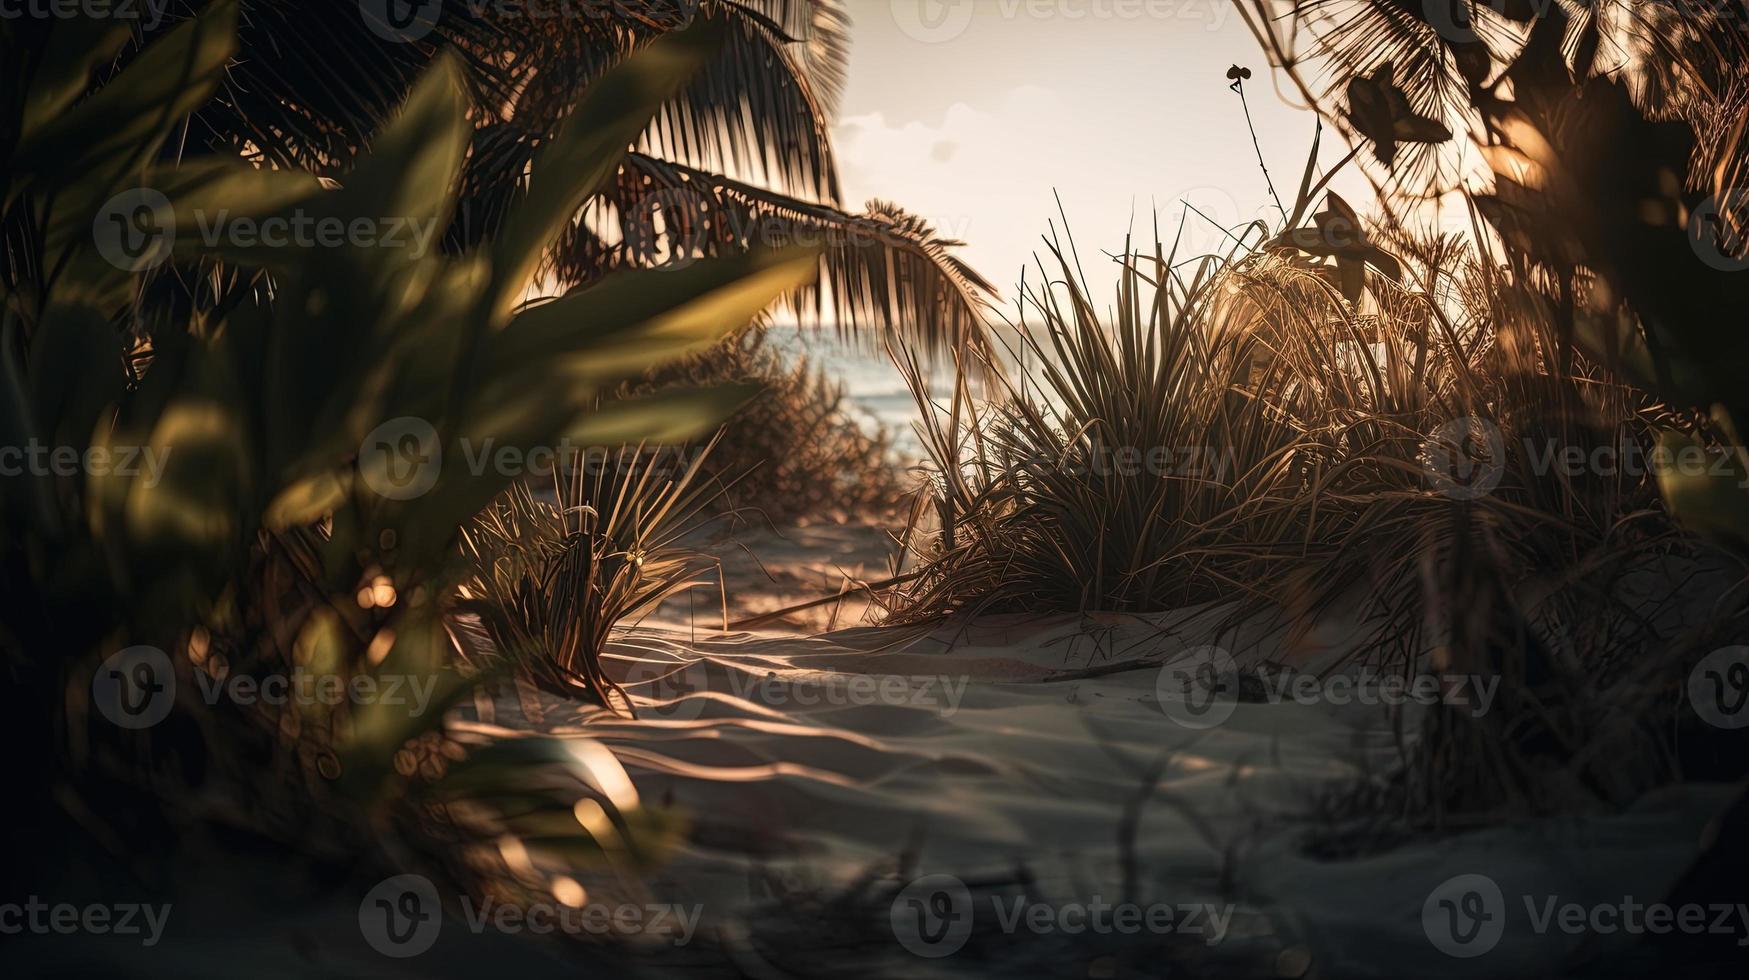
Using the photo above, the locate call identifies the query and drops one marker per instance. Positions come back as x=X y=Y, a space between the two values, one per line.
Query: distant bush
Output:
x=797 y=451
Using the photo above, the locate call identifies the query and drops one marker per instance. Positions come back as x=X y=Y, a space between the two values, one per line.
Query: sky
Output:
x=972 y=112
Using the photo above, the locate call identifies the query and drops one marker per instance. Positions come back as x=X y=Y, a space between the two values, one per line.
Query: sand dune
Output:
x=1034 y=756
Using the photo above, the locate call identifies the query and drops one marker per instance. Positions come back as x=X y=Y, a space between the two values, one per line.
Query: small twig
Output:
x=763 y=618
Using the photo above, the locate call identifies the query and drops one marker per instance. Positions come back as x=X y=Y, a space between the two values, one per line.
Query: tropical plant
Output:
x=741 y=158
x=1613 y=136
x=1287 y=431
x=551 y=579
x=313 y=437
x=1109 y=475
x=1606 y=231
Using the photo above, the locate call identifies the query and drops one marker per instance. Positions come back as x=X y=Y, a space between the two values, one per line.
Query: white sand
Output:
x=977 y=749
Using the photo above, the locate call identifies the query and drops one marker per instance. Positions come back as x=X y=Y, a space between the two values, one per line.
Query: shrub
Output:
x=269 y=542
x=1314 y=427
x=796 y=451
x=551 y=578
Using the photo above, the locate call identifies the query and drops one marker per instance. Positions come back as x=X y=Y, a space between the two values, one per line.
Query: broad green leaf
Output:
x=207 y=196
x=468 y=476
x=412 y=171
x=668 y=417
x=418 y=662
x=306 y=501
x=120 y=127
x=74 y=50
x=590 y=145
x=195 y=501
x=1704 y=493
x=75 y=373
x=634 y=319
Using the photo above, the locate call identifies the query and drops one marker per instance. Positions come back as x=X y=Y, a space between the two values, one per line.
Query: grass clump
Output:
x=1127 y=466
x=553 y=574
x=1253 y=429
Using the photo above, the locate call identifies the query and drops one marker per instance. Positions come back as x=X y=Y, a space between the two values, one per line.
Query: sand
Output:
x=1037 y=759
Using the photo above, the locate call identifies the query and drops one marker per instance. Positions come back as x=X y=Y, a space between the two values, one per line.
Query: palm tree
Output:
x=744 y=156
x=1446 y=60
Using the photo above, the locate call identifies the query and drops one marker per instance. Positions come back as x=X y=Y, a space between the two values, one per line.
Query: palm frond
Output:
x=753 y=113
x=882 y=270
x=748 y=140
x=819 y=31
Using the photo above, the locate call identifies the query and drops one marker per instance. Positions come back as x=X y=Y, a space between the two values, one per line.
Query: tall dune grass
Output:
x=1236 y=429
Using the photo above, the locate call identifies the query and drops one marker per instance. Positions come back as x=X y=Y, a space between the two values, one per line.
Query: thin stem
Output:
x=1239 y=87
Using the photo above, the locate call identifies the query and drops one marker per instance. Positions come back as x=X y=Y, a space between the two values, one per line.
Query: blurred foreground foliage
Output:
x=280 y=534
